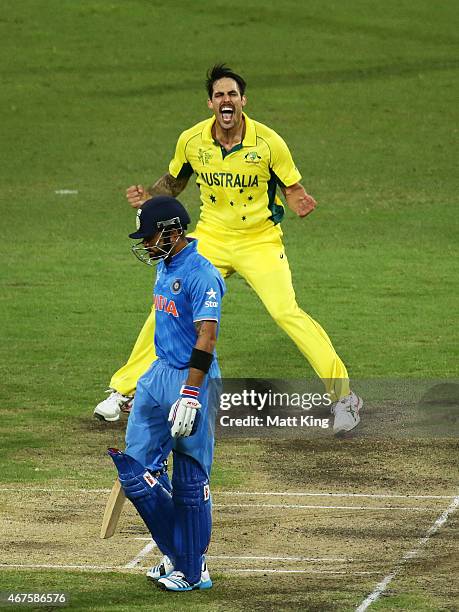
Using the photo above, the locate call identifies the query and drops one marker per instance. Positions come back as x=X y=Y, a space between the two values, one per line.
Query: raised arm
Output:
x=298 y=200
x=165 y=185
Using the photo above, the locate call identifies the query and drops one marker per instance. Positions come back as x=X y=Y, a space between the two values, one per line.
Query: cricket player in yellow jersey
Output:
x=239 y=165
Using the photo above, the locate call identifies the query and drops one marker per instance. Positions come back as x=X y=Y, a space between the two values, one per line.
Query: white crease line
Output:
x=66 y=191
x=287 y=506
x=293 y=506
x=143 y=553
x=59 y=566
x=42 y=490
x=244 y=493
x=382 y=586
x=306 y=494
x=307 y=571
x=264 y=558
x=112 y=568
x=253 y=558
x=311 y=507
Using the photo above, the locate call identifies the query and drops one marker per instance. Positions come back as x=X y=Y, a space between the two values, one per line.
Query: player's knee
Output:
x=136 y=480
x=190 y=483
x=191 y=494
x=282 y=311
x=150 y=496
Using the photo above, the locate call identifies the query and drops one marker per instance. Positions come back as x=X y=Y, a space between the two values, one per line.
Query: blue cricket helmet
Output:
x=159 y=213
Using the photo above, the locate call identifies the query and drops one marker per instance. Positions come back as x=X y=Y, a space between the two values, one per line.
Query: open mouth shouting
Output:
x=227 y=113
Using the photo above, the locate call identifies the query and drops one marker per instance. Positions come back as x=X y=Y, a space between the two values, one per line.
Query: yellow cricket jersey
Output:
x=238 y=187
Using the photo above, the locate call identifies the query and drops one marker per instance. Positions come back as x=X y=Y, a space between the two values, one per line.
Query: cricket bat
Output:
x=112 y=512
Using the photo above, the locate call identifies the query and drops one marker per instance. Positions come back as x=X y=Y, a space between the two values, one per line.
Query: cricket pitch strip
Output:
x=255 y=534
x=276 y=539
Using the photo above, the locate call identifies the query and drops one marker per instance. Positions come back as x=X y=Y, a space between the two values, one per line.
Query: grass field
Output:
x=93 y=97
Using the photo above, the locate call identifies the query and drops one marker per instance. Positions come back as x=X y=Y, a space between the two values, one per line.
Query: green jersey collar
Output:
x=250 y=137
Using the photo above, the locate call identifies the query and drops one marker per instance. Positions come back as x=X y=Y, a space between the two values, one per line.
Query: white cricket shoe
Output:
x=176 y=581
x=110 y=409
x=206 y=582
x=346 y=411
x=162 y=570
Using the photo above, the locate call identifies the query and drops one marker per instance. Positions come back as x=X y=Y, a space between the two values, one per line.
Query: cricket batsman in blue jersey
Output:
x=176 y=400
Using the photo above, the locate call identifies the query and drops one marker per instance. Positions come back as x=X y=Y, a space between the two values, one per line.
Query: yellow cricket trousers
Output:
x=259 y=257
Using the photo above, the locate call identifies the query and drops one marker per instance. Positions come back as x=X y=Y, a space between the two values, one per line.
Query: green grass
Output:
x=368 y=111
x=102 y=592
x=124 y=593
x=93 y=97
x=407 y=602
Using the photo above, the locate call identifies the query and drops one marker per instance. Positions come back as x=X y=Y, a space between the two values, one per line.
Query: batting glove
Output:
x=184 y=413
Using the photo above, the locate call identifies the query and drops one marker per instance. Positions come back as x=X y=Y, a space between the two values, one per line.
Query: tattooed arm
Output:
x=166 y=185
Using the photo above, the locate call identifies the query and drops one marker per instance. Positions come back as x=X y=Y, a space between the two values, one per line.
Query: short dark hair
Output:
x=222 y=71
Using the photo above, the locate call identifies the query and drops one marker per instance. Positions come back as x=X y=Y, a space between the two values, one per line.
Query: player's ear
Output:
x=209 y=103
x=243 y=100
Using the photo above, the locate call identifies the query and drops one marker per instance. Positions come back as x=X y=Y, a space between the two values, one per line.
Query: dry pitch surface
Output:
x=319 y=525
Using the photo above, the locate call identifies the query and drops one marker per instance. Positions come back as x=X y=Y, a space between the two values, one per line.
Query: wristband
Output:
x=189 y=391
x=200 y=360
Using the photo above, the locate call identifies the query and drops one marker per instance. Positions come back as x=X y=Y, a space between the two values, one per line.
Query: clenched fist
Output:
x=298 y=200
x=136 y=196
x=306 y=205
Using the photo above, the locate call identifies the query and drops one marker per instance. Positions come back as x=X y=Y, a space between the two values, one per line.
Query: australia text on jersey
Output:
x=227 y=179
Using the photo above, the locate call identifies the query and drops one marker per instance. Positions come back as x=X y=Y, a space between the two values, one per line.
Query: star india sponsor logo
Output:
x=212 y=301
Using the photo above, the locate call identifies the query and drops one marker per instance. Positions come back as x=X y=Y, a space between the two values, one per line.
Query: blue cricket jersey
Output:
x=187 y=289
